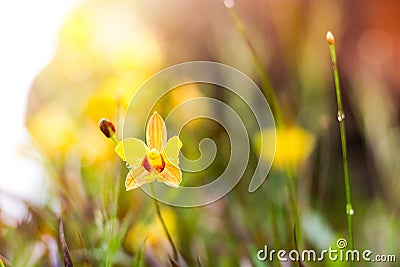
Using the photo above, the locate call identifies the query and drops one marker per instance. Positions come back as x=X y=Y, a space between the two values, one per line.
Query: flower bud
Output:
x=330 y=38
x=107 y=127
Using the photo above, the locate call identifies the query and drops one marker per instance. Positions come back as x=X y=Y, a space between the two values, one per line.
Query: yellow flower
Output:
x=151 y=161
x=293 y=145
x=148 y=232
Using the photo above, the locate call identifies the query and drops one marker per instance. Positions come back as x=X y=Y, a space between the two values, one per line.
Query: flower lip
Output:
x=160 y=168
x=149 y=165
x=146 y=164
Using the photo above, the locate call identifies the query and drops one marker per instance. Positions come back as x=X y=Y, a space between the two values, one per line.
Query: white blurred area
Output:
x=29 y=32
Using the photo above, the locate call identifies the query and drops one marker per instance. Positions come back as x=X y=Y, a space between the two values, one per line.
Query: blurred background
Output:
x=66 y=64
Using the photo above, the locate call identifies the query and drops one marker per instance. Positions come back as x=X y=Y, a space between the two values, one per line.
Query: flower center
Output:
x=153 y=154
x=153 y=161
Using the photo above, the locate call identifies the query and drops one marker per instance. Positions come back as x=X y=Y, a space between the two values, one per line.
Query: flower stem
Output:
x=158 y=210
x=265 y=82
x=114 y=139
x=341 y=117
x=291 y=184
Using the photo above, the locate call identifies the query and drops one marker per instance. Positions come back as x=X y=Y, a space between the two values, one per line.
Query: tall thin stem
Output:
x=265 y=82
x=341 y=117
x=118 y=167
x=291 y=184
x=158 y=210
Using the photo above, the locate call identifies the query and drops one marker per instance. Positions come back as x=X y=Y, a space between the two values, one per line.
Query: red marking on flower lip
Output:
x=146 y=164
x=161 y=167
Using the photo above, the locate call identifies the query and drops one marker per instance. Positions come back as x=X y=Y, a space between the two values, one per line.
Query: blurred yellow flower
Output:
x=53 y=130
x=104 y=52
x=151 y=161
x=150 y=232
x=293 y=145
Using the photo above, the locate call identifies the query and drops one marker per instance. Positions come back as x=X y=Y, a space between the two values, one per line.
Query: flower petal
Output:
x=171 y=175
x=131 y=150
x=156 y=133
x=171 y=150
x=137 y=177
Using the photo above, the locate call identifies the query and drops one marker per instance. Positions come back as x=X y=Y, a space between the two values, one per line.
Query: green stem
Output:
x=265 y=82
x=158 y=210
x=114 y=139
x=341 y=117
x=291 y=183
